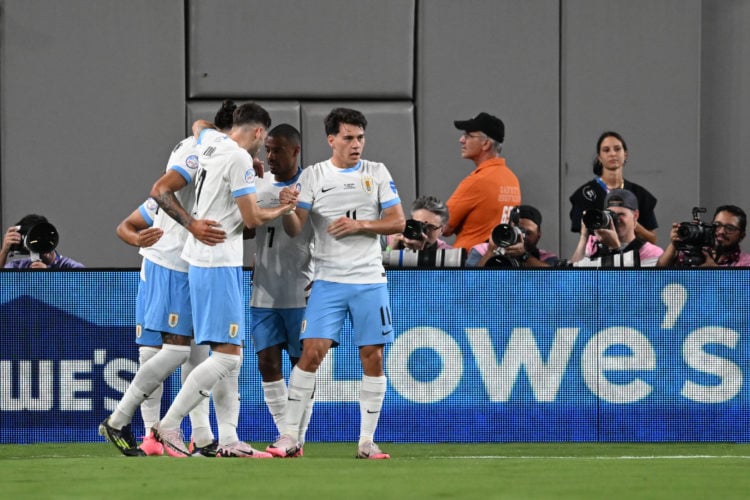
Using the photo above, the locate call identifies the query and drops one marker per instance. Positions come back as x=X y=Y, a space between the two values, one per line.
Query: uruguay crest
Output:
x=368 y=184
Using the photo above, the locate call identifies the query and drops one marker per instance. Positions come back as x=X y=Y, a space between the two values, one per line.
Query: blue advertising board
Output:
x=480 y=356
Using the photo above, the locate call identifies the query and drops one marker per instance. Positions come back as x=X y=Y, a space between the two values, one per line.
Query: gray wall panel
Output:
x=633 y=67
x=725 y=105
x=92 y=103
x=389 y=139
x=323 y=49
x=498 y=56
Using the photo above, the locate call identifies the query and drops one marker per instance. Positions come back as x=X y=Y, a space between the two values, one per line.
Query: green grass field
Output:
x=514 y=470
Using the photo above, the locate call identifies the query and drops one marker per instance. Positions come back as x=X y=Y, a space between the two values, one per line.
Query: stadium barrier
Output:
x=480 y=356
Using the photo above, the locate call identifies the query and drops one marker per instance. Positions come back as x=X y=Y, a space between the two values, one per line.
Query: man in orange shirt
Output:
x=485 y=197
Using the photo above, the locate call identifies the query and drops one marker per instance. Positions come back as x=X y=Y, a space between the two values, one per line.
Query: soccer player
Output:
x=225 y=193
x=281 y=276
x=164 y=325
x=350 y=202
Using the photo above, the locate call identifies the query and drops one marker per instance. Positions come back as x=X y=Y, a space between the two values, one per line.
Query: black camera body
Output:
x=599 y=219
x=36 y=239
x=694 y=237
x=414 y=230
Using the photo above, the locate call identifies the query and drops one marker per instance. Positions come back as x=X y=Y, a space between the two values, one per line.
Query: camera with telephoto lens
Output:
x=414 y=230
x=36 y=238
x=599 y=219
x=449 y=257
x=503 y=236
x=694 y=237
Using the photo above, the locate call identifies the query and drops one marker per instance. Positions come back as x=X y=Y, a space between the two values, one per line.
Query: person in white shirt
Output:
x=350 y=202
x=164 y=323
x=281 y=275
x=226 y=201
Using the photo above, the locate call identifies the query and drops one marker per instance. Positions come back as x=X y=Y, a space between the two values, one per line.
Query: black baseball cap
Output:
x=621 y=198
x=490 y=125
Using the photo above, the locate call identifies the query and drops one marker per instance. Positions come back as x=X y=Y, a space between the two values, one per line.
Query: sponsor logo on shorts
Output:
x=174 y=318
x=234 y=329
x=303 y=327
x=138 y=330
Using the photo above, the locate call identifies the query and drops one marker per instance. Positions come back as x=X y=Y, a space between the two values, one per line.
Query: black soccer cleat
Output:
x=122 y=439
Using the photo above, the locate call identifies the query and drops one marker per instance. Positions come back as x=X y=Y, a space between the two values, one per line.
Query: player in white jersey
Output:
x=281 y=276
x=225 y=197
x=164 y=326
x=350 y=202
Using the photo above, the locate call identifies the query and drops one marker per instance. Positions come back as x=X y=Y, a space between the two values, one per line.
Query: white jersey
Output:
x=360 y=192
x=225 y=173
x=282 y=264
x=166 y=252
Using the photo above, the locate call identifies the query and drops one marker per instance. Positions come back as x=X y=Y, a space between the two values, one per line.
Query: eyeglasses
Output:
x=430 y=227
x=728 y=228
x=467 y=135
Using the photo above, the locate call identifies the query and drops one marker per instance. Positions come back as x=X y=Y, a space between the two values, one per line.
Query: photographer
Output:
x=423 y=230
x=608 y=236
x=522 y=253
x=14 y=243
x=728 y=231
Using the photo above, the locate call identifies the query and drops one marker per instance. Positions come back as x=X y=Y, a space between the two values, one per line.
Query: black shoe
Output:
x=210 y=450
x=122 y=439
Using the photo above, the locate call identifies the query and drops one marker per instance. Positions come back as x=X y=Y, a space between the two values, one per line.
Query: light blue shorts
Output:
x=165 y=296
x=272 y=327
x=368 y=306
x=218 y=304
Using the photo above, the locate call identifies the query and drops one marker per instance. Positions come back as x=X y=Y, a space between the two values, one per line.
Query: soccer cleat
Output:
x=371 y=451
x=122 y=439
x=210 y=450
x=174 y=443
x=285 y=446
x=241 y=450
x=151 y=446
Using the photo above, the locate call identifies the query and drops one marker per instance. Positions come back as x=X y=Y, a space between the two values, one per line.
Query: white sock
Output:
x=306 y=415
x=200 y=424
x=198 y=386
x=371 y=396
x=301 y=388
x=275 y=395
x=151 y=406
x=226 y=395
x=148 y=378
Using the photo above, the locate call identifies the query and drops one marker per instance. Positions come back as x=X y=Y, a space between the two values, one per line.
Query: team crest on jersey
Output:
x=249 y=175
x=234 y=329
x=368 y=183
x=298 y=187
x=174 y=318
x=303 y=327
x=192 y=162
x=151 y=205
x=589 y=193
x=138 y=330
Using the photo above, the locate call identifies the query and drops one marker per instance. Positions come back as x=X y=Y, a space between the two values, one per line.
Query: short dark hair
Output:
x=225 y=116
x=287 y=132
x=598 y=167
x=337 y=116
x=736 y=211
x=251 y=112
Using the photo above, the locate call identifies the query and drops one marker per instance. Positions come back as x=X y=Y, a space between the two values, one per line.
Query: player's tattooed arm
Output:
x=205 y=230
